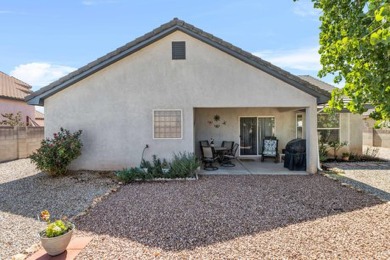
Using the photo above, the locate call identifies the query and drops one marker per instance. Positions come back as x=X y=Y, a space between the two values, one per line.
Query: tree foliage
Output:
x=355 y=46
x=12 y=120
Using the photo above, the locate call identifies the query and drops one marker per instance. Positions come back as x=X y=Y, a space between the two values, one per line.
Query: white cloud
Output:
x=39 y=74
x=305 y=8
x=306 y=59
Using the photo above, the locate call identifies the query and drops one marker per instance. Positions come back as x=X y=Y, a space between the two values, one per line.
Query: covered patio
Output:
x=248 y=127
x=252 y=166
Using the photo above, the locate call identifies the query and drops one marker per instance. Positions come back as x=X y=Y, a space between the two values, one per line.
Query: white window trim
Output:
x=296 y=125
x=181 y=124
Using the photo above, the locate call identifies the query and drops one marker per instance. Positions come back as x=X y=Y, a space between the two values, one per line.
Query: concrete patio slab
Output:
x=253 y=166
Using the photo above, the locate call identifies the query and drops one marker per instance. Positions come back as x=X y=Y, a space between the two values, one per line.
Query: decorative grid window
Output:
x=167 y=124
x=299 y=126
x=178 y=50
x=328 y=126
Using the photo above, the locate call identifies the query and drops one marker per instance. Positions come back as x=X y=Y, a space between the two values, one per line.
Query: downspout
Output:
x=318 y=145
x=318 y=162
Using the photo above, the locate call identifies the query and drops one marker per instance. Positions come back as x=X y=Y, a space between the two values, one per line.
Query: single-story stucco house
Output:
x=12 y=94
x=172 y=87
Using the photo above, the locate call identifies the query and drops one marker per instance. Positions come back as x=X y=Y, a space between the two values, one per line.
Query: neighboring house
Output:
x=342 y=126
x=39 y=118
x=173 y=87
x=12 y=94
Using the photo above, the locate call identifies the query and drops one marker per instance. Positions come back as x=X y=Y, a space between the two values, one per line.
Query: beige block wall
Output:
x=19 y=142
x=381 y=138
x=8 y=144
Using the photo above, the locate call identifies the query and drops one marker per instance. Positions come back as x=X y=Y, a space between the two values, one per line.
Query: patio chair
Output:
x=204 y=143
x=208 y=158
x=228 y=157
x=270 y=148
x=228 y=145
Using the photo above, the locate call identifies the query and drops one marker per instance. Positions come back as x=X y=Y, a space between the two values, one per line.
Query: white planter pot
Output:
x=56 y=245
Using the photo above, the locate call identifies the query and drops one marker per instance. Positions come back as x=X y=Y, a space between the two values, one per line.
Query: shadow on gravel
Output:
x=62 y=196
x=184 y=215
x=369 y=165
x=384 y=195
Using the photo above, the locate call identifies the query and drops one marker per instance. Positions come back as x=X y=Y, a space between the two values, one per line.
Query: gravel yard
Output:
x=238 y=217
x=25 y=192
x=372 y=177
x=229 y=217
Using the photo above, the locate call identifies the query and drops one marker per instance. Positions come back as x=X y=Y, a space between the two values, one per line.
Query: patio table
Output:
x=220 y=150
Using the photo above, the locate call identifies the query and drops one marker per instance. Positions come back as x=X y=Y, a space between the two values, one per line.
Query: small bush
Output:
x=132 y=174
x=183 y=165
x=55 y=155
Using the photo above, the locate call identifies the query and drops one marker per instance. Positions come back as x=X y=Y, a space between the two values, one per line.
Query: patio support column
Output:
x=311 y=139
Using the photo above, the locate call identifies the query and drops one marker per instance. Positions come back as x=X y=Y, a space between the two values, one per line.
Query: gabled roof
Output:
x=37 y=98
x=39 y=115
x=319 y=83
x=13 y=88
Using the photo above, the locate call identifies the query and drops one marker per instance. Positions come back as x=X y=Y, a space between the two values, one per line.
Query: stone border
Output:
x=344 y=184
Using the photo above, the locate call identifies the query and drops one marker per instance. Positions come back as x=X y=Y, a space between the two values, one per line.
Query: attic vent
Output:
x=178 y=50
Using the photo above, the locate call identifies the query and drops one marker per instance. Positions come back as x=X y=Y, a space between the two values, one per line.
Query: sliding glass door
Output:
x=248 y=136
x=266 y=126
x=252 y=132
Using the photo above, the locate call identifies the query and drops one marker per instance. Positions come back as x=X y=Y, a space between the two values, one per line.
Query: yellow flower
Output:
x=45 y=215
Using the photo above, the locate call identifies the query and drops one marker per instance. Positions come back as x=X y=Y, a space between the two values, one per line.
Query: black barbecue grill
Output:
x=295 y=155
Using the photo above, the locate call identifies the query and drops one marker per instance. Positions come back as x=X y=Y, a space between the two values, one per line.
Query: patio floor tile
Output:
x=74 y=248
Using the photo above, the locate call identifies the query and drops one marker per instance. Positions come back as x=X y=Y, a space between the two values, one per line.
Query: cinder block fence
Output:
x=19 y=142
x=376 y=137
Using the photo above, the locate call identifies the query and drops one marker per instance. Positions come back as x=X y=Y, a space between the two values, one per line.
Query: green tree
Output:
x=355 y=46
x=12 y=120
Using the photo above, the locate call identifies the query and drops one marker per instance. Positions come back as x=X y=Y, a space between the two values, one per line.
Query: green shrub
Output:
x=132 y=174
x=55 y=155
x=183 y=165
x=323 y=151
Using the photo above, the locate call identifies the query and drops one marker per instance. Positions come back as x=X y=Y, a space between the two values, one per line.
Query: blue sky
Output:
x=44 y=40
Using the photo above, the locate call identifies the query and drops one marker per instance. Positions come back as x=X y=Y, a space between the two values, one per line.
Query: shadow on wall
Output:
x=177 y=216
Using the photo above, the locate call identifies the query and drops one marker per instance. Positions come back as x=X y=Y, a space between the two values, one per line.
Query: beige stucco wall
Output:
x=15 y=106
x=356 y=124
x=114 y=106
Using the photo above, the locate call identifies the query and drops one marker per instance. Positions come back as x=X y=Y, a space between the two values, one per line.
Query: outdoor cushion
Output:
x=269 y=148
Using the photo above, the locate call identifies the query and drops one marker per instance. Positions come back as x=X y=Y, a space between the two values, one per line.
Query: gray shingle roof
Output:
x=319 y=83
x=37 y=98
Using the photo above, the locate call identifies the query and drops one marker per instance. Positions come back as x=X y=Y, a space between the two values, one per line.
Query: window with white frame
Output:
x=167 y=124
x=328 y=126
x=299 y=126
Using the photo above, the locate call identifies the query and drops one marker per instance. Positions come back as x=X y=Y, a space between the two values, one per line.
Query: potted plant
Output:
x=57 y=234
x=345 y=157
